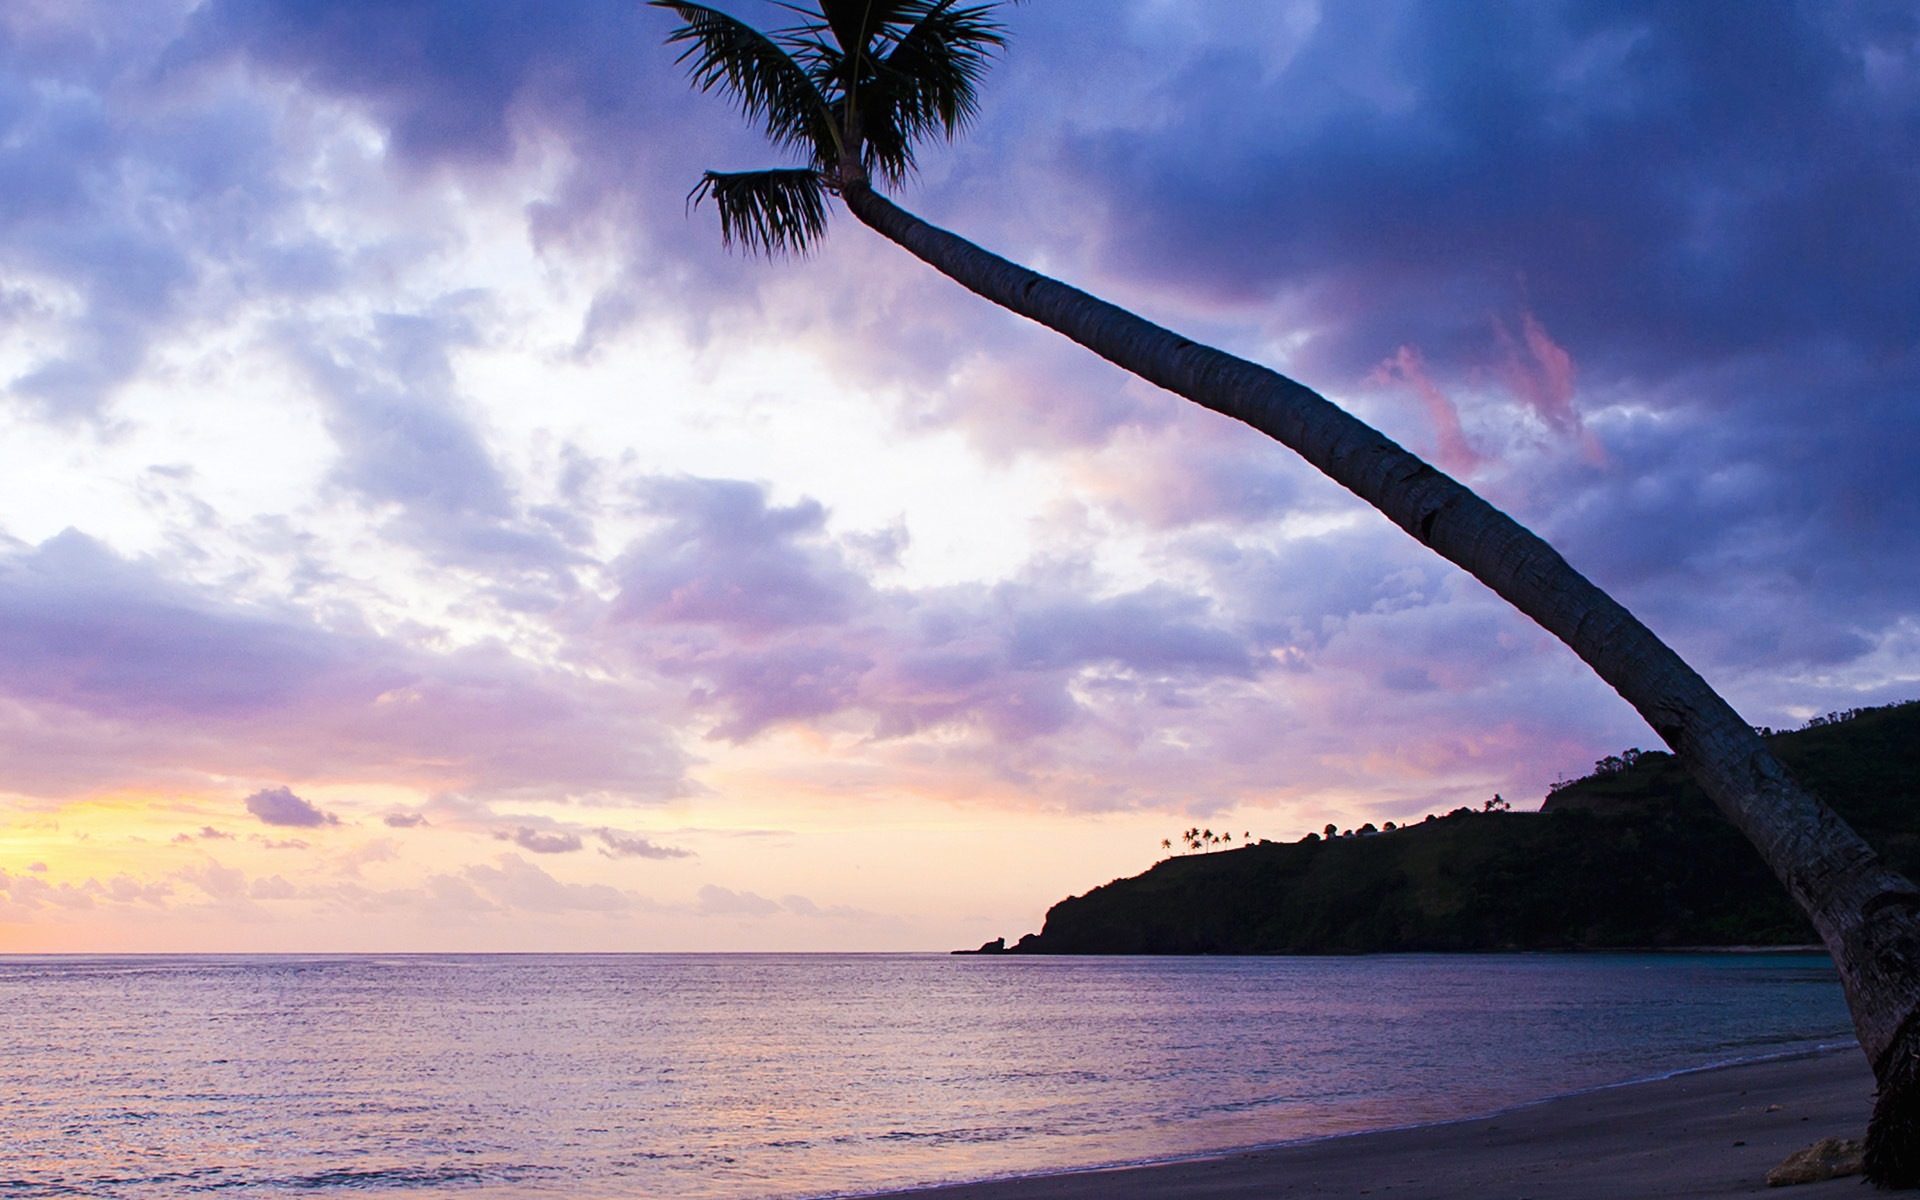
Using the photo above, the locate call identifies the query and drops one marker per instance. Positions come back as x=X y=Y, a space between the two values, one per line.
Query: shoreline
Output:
x=1702 y=1133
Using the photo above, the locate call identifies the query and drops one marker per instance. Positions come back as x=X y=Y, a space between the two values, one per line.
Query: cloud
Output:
x=1542 y=377
x=615 y=844
x=207 y=833
x=272 y=887
x=201 y=684
x=279 y=806
x=1641 y=267
x=1555 y=148
x=69 y=596
x=801 y=906
x=550 y=841
x=772 y=624
x=158 y=161
x=1194 y=472
x=1452 y=452
x=716 y=901
x=394 y=410
x=1035 y=686
x=723 y=557
x=222 y=883
x=454 y=89
x=125 y=889
x=445 y=77
x=126 y=198
x=518 y=884
x=1648 y=273
x=22 y=897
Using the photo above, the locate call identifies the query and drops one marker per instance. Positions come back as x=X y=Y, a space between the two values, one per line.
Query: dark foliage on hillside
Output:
x=1630 y=856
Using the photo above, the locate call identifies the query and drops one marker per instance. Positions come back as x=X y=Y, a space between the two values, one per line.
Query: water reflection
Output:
x=735 y=1076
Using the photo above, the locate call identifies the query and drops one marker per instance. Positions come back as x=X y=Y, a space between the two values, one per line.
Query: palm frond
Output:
x=930 y=76
x=886 y=149
x=774 y=213
x=759 y=74
x=824 y=64
x=852 y=22
x=870 y=77
x=924 y=81
x=868 y=26
x=910 y=68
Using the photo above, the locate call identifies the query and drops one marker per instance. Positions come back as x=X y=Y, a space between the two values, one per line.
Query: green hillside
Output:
x=1631 y=856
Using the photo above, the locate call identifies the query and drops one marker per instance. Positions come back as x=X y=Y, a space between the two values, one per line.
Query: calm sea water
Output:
x=750 y=1076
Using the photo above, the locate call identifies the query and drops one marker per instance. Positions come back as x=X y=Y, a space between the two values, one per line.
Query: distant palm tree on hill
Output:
x=853 y=85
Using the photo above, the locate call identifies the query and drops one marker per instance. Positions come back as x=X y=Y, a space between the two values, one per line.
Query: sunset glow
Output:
x=417 y=532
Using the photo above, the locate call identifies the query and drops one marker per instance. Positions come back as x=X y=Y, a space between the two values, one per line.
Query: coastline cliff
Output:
x=1631 y=856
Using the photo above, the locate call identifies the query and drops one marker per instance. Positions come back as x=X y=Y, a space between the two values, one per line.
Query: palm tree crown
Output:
x=851 y=86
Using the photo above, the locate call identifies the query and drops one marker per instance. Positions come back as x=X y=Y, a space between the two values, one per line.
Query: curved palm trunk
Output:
x=1868 y=916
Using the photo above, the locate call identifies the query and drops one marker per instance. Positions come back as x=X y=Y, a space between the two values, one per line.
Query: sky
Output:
x=417 y=532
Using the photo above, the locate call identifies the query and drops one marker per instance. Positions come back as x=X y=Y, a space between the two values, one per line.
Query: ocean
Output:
x=747 y=1077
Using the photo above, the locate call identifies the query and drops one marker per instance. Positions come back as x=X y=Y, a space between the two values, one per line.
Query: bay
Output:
x=747 y=1077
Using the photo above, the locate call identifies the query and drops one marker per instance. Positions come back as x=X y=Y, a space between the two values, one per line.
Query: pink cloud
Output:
x=1540 y=374
x=1452 y=452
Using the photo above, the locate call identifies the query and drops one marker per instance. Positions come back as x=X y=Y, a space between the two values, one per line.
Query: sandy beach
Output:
x=1706 y=1134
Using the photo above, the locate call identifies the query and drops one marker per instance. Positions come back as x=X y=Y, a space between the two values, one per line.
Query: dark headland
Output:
x=1631 y=856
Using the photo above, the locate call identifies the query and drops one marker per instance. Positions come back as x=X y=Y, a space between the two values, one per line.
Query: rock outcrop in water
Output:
x=1632 y=856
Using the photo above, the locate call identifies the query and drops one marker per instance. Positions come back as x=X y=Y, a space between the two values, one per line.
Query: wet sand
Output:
x=1706 y=1134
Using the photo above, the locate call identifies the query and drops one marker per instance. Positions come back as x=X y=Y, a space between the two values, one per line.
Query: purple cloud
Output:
x=1647 y=273
x=516 y=883
x=63 y=604
x=542 y=841
x=1155 y=630
x=1599 y=159
x=279 y=806
x=1661 y=263
x=724 y=558
x=457 y=87
x=153 y=680
x=394 y=410
x=772 y=623
x=759 y=687
x=615 y=844
x=444 y=76
x=126 y=196
x=717 y=901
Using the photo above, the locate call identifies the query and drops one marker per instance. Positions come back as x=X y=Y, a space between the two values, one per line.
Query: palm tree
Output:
x=853 y=85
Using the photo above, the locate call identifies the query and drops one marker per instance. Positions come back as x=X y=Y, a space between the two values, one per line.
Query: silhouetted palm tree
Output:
x=853 y=85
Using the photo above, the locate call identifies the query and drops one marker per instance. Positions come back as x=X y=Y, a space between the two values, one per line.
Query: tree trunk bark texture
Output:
x=1868 y=916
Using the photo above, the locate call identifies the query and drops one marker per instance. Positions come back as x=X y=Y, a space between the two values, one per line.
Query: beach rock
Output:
x=996 y=946
x=1828 y=1158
